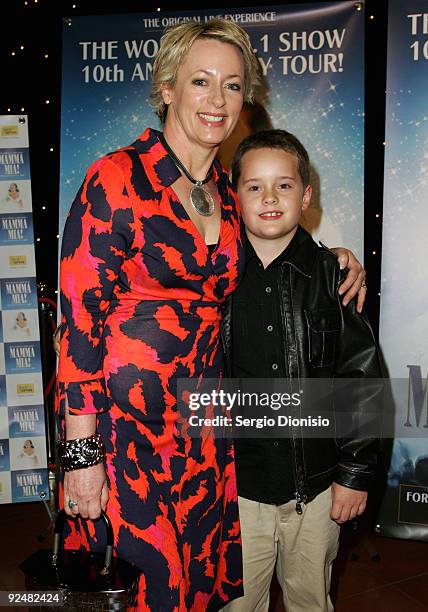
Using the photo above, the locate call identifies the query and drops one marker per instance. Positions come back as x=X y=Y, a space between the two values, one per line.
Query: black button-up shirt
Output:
x=264 y=468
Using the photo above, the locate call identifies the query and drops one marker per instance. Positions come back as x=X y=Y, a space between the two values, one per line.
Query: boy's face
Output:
x=271 y=194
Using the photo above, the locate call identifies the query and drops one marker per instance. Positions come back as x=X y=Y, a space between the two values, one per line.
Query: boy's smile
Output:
x=271 y=195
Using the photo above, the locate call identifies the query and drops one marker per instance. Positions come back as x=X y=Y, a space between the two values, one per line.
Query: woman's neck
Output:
x=196 y=159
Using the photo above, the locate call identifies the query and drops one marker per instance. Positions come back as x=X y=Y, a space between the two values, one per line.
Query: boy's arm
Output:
x=357 y=402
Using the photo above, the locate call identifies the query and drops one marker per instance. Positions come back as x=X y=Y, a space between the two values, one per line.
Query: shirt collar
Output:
x=160 y=168
x=300 y=253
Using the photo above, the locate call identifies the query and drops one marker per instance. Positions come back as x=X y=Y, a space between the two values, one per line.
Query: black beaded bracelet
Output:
x=81 y=452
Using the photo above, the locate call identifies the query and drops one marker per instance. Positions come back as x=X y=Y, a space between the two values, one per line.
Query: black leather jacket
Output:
x=323 y=340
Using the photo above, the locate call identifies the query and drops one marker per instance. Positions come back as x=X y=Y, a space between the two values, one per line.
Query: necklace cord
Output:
x=182 y=167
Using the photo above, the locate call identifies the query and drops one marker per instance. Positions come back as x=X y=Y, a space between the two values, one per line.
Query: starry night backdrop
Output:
x=105 y=102
x=31 y=51
x=406 y=184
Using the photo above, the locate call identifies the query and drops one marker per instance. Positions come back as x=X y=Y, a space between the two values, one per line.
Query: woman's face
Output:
x=21 y=321
x=13 y=191
x=205 y=102
x=28 y=447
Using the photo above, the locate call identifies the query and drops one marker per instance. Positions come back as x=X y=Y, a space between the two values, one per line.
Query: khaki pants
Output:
x=302 y=547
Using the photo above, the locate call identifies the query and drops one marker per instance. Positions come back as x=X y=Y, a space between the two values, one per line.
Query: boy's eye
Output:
x=199 y=82
x=285 y=186
x=253 y=188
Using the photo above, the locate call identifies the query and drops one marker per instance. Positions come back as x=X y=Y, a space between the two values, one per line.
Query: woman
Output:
x=151 y=249
x=14 y=195
x=28 y=457
x=21 y=327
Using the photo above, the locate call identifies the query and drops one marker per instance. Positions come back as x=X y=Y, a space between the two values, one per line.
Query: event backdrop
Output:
x=311 y=55
x=404 y=293
x=23 y=463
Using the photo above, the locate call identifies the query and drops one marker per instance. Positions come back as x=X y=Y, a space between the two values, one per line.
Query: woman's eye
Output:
x=234 y=86
x=199 y=82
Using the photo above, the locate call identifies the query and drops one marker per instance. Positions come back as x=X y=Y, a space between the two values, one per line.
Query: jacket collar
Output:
x=302 y=256
x=300 y=253
x=160 y=169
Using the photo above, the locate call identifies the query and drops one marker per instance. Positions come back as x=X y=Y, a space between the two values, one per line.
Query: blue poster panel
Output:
x=3 y=390
x=27 y=485
x=24 y=421
x=18 y=293
x=14 y=164
x=22 y=357
x=404 y=304
x=4 y=455
x=16 y=229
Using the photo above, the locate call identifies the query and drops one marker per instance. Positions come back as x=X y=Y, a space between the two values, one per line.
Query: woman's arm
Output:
x=97 y=236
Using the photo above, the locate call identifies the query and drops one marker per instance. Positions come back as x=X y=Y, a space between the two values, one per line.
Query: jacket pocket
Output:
x=323 y=329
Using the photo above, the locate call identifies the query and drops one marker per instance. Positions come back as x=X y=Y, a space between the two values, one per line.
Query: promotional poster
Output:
x=404 y=303
x=23 y=460
x=312 y=58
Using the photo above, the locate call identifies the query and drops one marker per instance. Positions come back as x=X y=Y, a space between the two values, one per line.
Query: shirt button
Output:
x=274 y=366
x=270 y=327
x=275 y=443
x=268 y=289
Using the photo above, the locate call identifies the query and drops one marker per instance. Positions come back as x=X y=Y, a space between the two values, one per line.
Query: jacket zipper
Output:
x=299 y=501
x=300 y=498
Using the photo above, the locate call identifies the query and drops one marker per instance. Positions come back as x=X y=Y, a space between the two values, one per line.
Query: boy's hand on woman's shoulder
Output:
x=346 y=503
x=354 y=282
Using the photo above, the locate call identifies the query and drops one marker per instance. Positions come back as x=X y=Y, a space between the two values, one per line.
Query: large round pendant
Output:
x=202 y=201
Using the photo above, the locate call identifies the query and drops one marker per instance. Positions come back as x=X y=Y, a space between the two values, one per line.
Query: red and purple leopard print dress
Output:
x=141 y=299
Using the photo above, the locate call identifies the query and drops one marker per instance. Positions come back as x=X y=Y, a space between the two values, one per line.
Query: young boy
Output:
x=286 y=320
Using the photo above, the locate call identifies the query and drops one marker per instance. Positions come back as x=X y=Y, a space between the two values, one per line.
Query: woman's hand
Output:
x=354 y=282
x=87 y=487
x=57 y=340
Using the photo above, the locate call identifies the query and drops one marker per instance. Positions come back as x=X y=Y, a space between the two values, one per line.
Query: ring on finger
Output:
x=364 y=286
x=71 y=504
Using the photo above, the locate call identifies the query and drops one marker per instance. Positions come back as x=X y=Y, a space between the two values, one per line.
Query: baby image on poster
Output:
x=28 y=456
x=15 y=196
x=20 y=325
x=27 y=453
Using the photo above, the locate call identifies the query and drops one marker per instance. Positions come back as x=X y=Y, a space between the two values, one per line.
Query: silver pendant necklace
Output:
x=200 y=198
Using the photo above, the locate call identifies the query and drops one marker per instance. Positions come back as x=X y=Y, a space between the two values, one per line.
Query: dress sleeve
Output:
x=97 y=236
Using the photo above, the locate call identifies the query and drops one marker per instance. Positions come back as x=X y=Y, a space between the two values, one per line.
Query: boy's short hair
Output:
x=272 y=139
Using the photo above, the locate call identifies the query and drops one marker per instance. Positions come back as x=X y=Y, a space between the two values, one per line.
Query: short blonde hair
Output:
x=176 y=42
